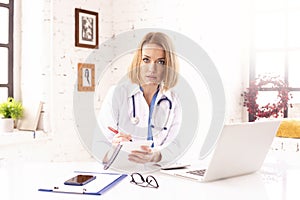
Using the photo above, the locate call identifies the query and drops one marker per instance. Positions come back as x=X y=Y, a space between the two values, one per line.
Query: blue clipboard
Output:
x=112 y=178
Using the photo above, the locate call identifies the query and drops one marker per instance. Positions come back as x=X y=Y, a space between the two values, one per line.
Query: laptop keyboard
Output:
x=199 y=172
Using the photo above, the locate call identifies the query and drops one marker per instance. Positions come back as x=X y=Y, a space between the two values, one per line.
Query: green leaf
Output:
x=11 y=109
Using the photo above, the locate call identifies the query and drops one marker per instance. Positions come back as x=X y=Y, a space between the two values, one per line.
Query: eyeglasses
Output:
x=139 y=180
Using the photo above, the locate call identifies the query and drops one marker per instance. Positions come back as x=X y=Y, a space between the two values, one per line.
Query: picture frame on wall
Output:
x=86 y=28
x=86 y=77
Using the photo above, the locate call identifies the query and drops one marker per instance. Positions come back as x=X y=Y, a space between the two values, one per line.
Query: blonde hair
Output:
x=171 y=72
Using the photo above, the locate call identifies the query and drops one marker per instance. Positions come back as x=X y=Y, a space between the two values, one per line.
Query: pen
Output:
x=45 y=190
x=115 y=131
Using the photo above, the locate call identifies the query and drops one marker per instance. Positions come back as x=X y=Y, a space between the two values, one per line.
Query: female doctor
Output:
x=145 y=107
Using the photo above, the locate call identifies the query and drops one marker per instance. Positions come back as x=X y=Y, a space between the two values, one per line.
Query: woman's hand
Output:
x=121 y=137
x=145 y=155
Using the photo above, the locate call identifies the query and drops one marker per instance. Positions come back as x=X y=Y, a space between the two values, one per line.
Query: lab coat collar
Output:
x=133 y=89
x=166 y=94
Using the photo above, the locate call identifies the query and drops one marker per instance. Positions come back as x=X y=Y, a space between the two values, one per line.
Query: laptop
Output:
x=241 y=149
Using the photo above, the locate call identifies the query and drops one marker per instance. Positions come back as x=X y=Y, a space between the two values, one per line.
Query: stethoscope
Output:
x=135 y=120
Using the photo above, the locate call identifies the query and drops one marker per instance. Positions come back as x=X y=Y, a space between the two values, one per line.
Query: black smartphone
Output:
x=80 y=180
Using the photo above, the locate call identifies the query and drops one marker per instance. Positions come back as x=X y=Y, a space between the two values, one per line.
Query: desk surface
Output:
x=278 y=179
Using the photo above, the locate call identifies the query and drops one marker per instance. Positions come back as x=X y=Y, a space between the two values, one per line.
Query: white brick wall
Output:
x=216 y=25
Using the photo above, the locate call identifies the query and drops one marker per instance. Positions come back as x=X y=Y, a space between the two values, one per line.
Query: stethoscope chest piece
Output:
x=134 y=120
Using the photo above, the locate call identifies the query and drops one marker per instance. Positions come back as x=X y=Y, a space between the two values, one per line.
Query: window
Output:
x=6 y=49
x=276 y=47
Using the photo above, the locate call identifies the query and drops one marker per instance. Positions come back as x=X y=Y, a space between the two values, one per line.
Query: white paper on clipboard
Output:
x=135 y=145
x=102 y=183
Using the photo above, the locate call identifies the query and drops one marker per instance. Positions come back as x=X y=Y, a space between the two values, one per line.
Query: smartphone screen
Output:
x=80 y=180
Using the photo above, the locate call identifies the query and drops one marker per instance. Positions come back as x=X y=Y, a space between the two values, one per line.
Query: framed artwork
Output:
x=86 y=28
x=86 y=77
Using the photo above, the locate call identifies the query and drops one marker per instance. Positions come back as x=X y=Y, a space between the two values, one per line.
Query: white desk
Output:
x=278 y=179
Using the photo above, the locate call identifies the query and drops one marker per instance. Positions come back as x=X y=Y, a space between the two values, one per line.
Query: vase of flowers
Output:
x=10 y=111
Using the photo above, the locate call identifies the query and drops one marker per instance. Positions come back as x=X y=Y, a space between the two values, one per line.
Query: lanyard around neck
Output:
x=151 y=108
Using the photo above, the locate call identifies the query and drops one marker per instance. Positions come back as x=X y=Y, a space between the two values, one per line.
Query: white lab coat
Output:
x=117 y=110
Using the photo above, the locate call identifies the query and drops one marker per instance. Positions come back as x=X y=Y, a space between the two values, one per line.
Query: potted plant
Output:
x=10 y=111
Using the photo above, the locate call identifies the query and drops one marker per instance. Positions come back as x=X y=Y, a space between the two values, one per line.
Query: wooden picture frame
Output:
x=86 y=28
x=86 y=77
